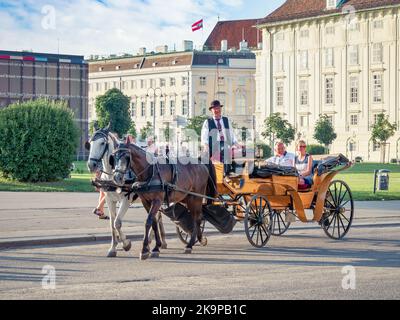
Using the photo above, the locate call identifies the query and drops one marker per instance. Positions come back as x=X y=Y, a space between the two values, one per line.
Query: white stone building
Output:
x=340 y=58
x=169 y=88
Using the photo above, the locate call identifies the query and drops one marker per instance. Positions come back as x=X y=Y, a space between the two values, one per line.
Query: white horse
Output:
x=102 y=145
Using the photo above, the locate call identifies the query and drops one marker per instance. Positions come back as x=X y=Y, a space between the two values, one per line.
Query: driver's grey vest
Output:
x=213 y=134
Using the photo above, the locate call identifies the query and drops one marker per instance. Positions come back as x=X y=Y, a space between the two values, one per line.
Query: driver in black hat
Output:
x=218 y=138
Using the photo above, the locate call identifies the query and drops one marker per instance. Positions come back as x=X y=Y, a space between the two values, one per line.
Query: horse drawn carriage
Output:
x=268 y=199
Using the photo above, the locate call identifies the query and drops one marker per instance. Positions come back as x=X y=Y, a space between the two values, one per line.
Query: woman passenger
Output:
x=304 y=164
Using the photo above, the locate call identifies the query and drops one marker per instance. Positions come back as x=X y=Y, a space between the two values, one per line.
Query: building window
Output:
x=378 y=24
x=354 y=85
x=221 y=81
x=329 y=90
x=352 y=146
x=353 y=55
x=105 y=86
x=184 y=107
x=162 y=108
x=172 y=82
x=304 y=33
x=203 y=105
x=280 y=62
x=143 y=110
x=172 y=107
x=242 y=81
x=133 y=84
x=329 y=58
x=162 y=82
x=152 y=83
x=377 y=88
x=203 y=81
x=354 y=119
x=279 y=93
x=354 y=26
x=376 y=118
x=184 y=81
x=304 y=60
x=142 y=84
x=330 y=30
x=240 y=103
x=303 y=121
x=133 y=110
x=280 y=36
x=98 y=87
x=376 y=146
x=377 y=53
x=303 y=92
x=331 y=4
x=152 y=108
x=330 y=119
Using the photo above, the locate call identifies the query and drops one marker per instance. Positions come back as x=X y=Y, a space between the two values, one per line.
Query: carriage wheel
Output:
x=279 y=224
x=257 y=223
x=185 y=237
x=338 y=210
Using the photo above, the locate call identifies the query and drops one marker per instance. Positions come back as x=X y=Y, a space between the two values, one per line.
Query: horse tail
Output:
x=212 y=181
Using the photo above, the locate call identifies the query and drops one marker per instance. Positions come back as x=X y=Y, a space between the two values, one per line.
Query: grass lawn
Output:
x=359 y=178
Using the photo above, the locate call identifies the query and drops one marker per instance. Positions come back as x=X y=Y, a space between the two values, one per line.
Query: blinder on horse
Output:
x=99 y=135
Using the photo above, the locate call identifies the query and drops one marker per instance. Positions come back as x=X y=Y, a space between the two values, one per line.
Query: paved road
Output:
x=304 y=264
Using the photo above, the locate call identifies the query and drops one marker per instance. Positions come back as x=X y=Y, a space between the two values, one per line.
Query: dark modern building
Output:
x=27 y=75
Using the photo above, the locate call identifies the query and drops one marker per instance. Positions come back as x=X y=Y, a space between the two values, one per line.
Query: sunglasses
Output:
x=303 y=147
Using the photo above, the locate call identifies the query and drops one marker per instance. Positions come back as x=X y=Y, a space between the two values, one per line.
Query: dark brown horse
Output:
x=193 y=178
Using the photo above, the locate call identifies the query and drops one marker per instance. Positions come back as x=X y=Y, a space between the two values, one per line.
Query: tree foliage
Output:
x=38 y=141
x=324 y=132
x=382 y=131
x=146 y=131
x=113 y=108
x=275 y=127
x=196 y=124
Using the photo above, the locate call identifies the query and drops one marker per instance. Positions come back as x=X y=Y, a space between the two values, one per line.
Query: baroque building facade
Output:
x=340 y=58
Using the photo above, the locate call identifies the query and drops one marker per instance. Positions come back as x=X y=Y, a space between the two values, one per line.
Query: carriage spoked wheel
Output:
x=279 y=224
x=257 y=222
x=185 y=237
x=338 y=210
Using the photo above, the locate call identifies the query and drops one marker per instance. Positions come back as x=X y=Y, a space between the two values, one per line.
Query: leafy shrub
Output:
x=316 y=149
x=38 y=141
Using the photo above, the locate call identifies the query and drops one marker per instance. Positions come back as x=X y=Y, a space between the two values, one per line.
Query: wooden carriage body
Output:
x=282 y=192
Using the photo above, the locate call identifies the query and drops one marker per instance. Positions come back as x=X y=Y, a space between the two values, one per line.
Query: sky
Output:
x=103 y=27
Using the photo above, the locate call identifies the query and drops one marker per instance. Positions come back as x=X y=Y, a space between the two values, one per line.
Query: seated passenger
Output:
x=304 y=164
x=282 y=157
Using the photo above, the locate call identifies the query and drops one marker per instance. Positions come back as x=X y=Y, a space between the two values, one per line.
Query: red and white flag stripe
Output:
x=197 y=25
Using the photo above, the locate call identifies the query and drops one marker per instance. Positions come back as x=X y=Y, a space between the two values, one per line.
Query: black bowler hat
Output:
x=215 y=103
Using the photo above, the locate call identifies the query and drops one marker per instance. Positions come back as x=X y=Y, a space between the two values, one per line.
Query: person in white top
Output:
x=282 y=157
x=217 y=137
x=151 y=147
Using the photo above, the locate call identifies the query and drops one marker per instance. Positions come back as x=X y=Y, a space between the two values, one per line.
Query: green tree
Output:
x=275 y=127
x=132 y=130
x=324 y=132
x=168 y=133
x=146 y=131
x=382 y=131
x=196 y=124
x=38 y=141
x=113 y=108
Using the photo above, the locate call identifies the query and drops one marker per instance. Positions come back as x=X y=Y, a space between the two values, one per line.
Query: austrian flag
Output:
x=197 y=25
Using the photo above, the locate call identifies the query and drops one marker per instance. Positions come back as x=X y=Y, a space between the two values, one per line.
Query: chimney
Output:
x=142 y=51
x=224 y=45
x=187 y=45
x=162 y=49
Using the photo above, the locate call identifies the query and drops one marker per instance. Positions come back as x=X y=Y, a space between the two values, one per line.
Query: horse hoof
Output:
x=144 y=256
x=204 y=241
x=164 y=246
x=128 y=246
x=112 y=254
x=188 y=251
x=155 y=254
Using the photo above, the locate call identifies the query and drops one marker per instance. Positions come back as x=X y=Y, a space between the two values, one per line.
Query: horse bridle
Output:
x=105 y=137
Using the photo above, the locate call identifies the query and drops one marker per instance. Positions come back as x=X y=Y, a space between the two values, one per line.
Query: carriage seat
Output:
x=307 y=187
x=267 y=171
